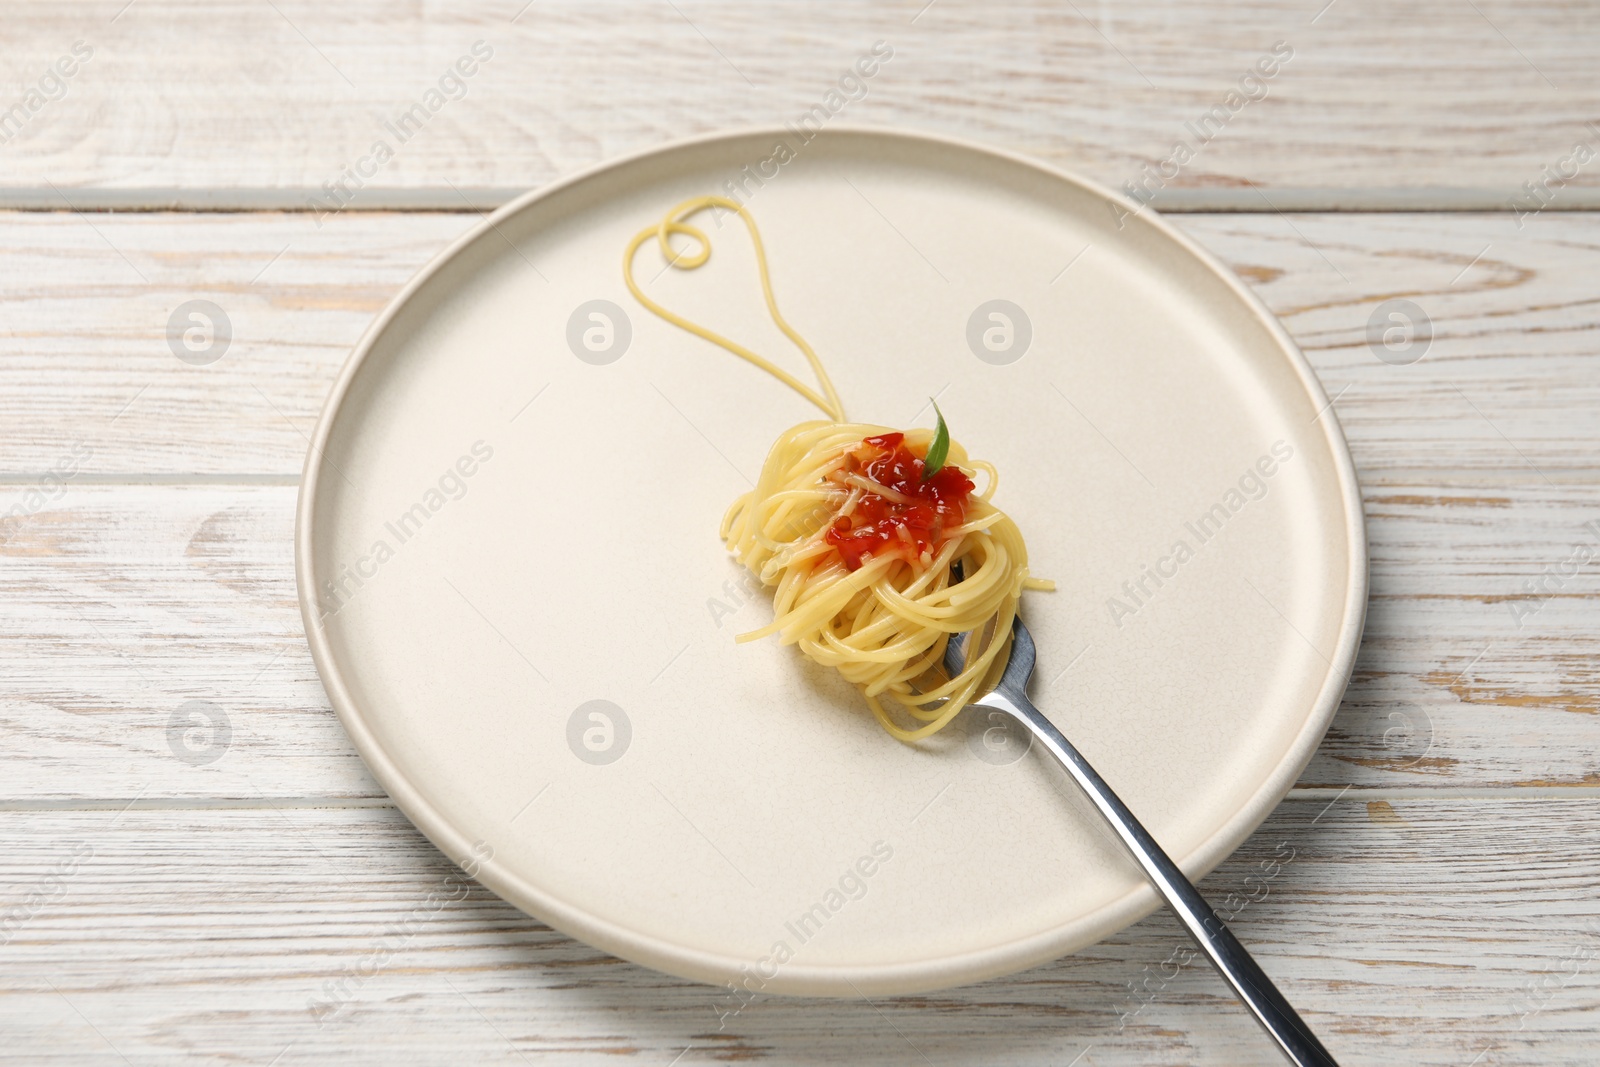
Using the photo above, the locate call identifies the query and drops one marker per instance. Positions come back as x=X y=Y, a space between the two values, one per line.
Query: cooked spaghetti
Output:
x=860 y=530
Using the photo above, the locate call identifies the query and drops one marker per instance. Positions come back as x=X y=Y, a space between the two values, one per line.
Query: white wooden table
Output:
x=177 y=897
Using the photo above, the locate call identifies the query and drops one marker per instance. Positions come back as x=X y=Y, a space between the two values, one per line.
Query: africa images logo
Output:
x=50 y=87
x=341 y=189
x=1251 y=87
x=851 y=87
x=802 y=927
x=1252 y=485
x=350 y=578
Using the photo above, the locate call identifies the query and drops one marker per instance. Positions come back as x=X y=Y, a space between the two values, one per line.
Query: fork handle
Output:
x=1249 y=982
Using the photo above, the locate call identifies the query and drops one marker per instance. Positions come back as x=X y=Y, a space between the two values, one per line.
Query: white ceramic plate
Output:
x=515 y=593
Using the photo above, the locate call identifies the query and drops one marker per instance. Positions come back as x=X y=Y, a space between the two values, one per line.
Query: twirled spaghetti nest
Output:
x=883 y=625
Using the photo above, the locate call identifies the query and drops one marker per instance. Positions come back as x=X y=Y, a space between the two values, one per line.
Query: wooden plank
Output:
x=142 y=600
x=1477 y=665
x=1512 y=356
x=1505 y=391
x=90 y=365
x=1432 y=95
x=1449 y=928
x=125 y=603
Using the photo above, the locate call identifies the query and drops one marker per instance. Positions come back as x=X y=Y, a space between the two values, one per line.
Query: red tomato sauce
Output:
x=874 y=527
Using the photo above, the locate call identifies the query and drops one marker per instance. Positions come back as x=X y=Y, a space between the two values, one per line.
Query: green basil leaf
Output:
x=933 y=462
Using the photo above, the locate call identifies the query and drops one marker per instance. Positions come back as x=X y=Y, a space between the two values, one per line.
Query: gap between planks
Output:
x=1309 y=794
x=1248 y=199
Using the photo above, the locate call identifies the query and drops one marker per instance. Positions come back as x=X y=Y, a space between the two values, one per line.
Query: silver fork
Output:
x=1249 y=982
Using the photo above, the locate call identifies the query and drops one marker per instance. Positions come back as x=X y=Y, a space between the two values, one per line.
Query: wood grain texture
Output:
x=1505 y=391
x=245 y=94
x=1428 y=892
x=124 y=603
x=180 y=937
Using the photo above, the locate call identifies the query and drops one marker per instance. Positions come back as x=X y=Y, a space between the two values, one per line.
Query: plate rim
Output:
x=914 y=976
